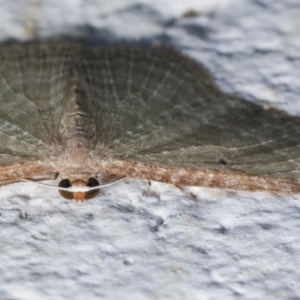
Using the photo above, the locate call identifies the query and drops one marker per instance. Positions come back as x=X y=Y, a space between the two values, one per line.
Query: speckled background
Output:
x=141 y=240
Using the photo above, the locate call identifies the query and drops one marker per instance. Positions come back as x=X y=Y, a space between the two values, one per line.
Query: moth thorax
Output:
x=80 y=191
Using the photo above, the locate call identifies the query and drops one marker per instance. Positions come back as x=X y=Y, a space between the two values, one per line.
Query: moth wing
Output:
x=157 y=108
x=253 y=142
x=34 y=170
x=33 y=83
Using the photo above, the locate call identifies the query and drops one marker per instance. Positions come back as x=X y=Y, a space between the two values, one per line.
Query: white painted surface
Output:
x=137 y=241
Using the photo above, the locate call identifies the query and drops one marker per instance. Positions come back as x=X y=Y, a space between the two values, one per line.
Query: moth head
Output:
x=79 y=189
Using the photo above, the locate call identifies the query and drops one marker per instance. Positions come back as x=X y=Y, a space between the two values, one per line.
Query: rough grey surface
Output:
x=141 y=240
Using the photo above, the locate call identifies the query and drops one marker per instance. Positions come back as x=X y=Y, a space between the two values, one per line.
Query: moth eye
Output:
x=91 y=183
x=65 y=183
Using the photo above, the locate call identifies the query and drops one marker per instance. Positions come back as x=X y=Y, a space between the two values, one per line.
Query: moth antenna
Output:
x=46 y=185
x=72 y=188
x=111 y=183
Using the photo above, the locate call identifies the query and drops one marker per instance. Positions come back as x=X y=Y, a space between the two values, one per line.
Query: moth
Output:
x=96 y=115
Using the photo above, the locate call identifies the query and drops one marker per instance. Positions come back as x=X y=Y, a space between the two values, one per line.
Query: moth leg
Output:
x=105 y=177
x=179 y=186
